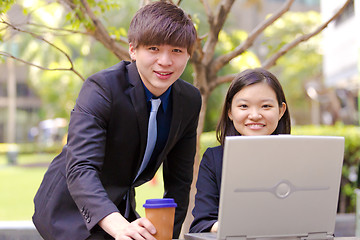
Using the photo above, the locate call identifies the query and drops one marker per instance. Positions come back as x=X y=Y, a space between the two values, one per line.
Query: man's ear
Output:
x=132 y=52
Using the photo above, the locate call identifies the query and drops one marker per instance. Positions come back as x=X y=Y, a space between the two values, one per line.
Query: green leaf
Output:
x=5 y=5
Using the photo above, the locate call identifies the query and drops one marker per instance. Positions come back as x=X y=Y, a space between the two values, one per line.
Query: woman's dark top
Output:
x=208 y=186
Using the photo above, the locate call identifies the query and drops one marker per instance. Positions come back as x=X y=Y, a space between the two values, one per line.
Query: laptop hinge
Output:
x=237 y=238
x=319 y=236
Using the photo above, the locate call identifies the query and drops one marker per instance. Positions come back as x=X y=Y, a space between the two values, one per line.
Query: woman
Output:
x=255 y=104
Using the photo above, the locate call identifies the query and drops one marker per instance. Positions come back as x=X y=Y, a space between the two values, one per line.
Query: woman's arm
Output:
x=206 y=207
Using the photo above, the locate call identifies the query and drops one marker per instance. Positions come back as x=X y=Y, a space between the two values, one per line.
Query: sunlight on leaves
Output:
x=302 y=63
x=245 y=60
x=117 y=32
x=5 y=5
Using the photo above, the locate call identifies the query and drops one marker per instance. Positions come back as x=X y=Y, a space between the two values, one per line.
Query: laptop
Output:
x=274 y=187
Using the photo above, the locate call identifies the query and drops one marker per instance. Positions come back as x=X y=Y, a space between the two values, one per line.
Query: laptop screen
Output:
x=280 y=186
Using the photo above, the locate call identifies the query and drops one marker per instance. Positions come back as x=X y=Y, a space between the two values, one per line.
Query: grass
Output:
x=18 y=185
x=152 y=189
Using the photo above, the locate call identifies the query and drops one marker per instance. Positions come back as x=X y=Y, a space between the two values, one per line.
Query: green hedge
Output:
x=347 y=196
x=29 y=148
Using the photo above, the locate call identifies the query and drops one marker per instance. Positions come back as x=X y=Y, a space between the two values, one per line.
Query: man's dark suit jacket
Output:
x=106 y=143
x=208 y=185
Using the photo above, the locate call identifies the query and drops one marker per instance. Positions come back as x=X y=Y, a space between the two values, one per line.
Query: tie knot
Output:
x=155 y=103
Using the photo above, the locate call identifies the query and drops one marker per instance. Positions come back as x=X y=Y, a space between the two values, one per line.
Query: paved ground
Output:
x=24 y=230
x=18 y=230
x=345 y=225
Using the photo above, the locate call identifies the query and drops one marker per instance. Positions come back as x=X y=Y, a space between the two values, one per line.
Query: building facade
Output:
x=18 y=103
x=341 y=45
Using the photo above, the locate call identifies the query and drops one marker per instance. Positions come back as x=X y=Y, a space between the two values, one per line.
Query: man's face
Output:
x=159 y=66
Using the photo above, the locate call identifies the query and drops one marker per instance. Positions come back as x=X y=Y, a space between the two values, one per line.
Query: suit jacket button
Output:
x=88 y=220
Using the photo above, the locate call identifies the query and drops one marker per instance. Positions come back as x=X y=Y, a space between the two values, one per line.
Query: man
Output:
x=88 y=190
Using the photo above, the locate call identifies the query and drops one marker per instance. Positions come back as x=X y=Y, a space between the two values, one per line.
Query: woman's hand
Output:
x=214 y=227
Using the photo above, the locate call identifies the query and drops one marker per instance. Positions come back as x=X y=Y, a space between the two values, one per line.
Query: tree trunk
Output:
x=11 y=91
x=189 y=218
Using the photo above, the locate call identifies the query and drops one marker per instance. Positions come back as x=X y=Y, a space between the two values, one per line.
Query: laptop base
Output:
x=213 y=236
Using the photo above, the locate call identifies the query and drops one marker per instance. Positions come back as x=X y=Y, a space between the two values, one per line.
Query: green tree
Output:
x=304 y=62
x=91 y=18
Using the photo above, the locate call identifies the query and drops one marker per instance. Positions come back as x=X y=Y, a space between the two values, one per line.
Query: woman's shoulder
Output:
x=213 y=155
x=215 y=150
x=211 y=163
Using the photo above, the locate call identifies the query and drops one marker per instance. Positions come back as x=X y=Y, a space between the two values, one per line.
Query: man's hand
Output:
x=118 y=227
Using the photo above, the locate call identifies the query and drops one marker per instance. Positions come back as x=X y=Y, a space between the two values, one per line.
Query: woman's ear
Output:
x=230 y=115
x=282 y=110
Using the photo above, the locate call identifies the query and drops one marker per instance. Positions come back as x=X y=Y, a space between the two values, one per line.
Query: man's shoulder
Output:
x=114 y=70
x=188 y=90
x=184 y=84
x=110 y=77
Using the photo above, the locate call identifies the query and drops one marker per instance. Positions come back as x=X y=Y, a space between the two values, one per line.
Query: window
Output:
x=348 y=13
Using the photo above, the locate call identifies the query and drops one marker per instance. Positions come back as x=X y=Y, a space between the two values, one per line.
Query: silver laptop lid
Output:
x=280 y=186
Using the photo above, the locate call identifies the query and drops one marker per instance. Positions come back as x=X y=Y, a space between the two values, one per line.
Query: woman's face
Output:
x=255 y=110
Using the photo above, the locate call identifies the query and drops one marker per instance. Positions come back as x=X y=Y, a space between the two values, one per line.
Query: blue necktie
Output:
x=151 y=141
x=152 y=135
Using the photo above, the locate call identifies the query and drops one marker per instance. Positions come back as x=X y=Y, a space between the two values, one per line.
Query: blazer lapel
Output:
x=177 y=116
x=137 y=96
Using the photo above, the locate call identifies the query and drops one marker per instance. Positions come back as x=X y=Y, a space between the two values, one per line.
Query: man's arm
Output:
x=86 y=151
x=178 y=175
x=85 y=157
x=178 y=167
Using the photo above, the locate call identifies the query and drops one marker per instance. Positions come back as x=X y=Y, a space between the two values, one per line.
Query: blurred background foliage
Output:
x=53 y=87
x=301 y=64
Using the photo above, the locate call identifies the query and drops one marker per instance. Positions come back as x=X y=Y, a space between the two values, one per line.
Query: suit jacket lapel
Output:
x=137 y=96
x=177 y=116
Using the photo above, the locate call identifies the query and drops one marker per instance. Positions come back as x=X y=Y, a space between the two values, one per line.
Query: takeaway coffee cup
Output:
x=161 y=213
